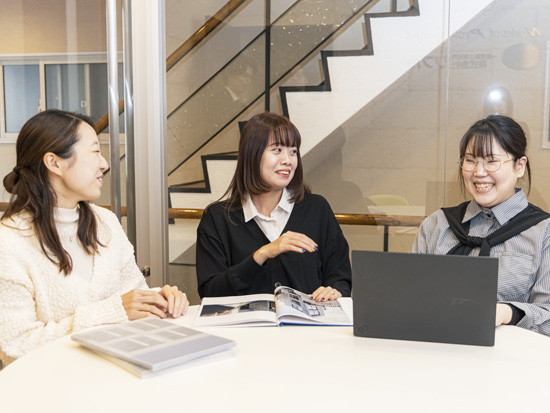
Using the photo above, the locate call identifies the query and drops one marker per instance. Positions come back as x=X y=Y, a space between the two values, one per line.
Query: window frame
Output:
x=50 y=59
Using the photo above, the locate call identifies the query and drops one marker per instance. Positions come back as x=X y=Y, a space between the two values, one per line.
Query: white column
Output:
x=114 y=136
x=149 y=70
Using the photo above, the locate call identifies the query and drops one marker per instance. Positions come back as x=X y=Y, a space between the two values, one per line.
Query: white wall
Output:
x=406 y=140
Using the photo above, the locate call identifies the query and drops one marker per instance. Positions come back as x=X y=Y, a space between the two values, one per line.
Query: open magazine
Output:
x=286 y=306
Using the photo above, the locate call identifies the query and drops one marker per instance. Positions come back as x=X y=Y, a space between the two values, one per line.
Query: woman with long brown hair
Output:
x=65 y=264
x=270 y=229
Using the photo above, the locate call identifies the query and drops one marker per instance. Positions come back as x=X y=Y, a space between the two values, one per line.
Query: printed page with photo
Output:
x=295 y=307
x=249 y=310
x=286 y=306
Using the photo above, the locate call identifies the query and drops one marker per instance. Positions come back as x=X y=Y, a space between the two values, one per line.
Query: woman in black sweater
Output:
x=270 y=229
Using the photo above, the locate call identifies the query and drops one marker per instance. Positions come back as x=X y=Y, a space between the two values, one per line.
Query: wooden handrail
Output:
x=185 y=48
x=104 y=121
x=201 y=33
x=185 y=213
x=379 y=220
x=343 y=219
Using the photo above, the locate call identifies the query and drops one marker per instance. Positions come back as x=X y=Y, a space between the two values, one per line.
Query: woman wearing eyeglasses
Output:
x=498 y=222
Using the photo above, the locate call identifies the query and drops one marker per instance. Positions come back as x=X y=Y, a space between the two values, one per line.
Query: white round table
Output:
x=293 y=368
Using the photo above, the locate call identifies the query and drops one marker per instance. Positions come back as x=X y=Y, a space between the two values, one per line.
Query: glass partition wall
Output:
x=406 y=144
x=52 y=57
x=381 y=101
x=396 y=153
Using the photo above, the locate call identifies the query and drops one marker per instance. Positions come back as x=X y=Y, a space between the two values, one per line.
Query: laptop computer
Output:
x=421 y=297
x=152 y=344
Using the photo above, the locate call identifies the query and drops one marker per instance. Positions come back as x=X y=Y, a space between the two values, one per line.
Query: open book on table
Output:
x=285 y=306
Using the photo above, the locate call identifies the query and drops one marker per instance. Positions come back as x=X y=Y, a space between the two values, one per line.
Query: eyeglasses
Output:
x=469 y=164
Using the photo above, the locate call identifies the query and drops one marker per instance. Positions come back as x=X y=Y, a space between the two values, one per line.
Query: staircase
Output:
x=396 y=42
x=394 y=45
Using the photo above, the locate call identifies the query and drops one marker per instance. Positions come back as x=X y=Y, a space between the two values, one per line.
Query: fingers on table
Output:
x=145 y=301
x=325 y=294
x=180 y=304
x=143 y=310
x=170 y=293
x=177 y=300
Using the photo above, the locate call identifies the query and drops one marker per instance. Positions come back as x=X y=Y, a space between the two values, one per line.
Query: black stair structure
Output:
x=292 y=39
x=203 y=117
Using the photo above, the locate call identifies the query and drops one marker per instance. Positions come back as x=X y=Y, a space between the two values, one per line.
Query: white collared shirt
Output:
x=271 y=226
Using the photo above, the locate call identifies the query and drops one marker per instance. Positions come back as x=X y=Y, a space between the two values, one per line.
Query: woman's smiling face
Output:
x=81 y=176
x=492 y=188
x=278 y=165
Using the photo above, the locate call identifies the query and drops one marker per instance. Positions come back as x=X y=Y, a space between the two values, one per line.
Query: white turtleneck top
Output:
x=66 y=221
x=39 y=304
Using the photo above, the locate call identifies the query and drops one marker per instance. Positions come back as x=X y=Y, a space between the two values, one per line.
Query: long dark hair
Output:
x=32 y=192
x=500 y=129
x=260 y=131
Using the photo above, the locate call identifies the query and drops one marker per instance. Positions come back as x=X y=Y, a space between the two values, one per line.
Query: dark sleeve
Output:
x=517 y=315
x=216 y=275
x=336 y=263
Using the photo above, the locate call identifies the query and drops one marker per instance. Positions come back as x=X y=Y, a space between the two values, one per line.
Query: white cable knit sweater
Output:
x=39 y=304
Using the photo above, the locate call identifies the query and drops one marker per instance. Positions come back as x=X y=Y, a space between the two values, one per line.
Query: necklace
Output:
x=67 y=235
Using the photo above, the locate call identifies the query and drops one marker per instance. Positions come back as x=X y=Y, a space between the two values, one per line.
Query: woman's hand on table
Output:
x=144 y=303
x=176 y=299
x=503 y=315
x=325 y=294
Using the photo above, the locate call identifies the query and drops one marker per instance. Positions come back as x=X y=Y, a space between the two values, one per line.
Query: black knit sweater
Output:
x=225 y=247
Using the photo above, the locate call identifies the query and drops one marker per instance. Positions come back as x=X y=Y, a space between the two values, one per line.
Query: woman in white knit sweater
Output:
x=65 y=264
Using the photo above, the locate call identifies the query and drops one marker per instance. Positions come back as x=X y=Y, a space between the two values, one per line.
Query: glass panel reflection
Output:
x=81 y=88
x=21 y=94
x=232 y=90
x=65 y=88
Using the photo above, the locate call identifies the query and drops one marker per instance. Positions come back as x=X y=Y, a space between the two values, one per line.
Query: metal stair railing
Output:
x=185 y=48
x=287 y=42
x=278 y=49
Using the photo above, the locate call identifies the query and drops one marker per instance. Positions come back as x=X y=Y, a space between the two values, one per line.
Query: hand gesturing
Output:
x=289 y=241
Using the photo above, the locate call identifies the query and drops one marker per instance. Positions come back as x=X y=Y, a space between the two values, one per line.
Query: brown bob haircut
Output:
x=260 y=131
x=495 y=129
